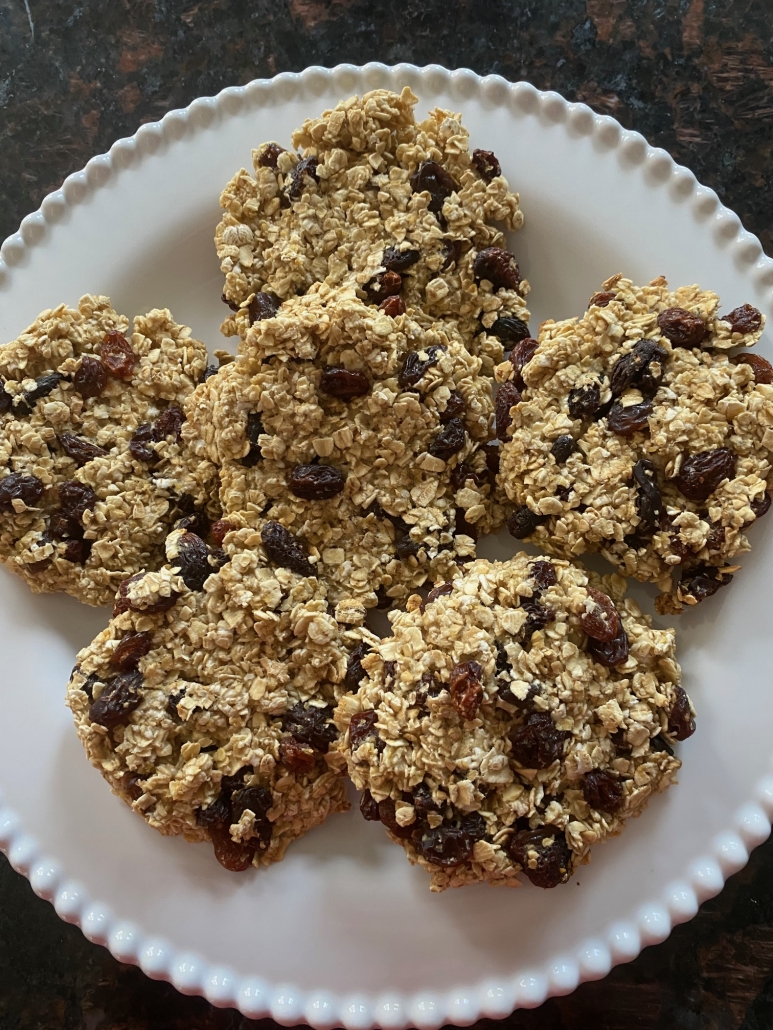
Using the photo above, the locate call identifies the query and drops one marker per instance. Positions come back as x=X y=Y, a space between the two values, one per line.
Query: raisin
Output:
x=508 y=395
x=209 y=371
x=439 y=591
x=80 y=450
x=492 y=459
x=602 y=621
x=634 y=369
x=369 y=807
x=77 y=551
x=446 y=846
x=355 y=673
x=700 y=474
x=130 y=649
x=316 y=482
x=132 y=784
x=466 y=689
x=681 y=723
x=172 y=702
x=452 y=251
x=192 y=561
x=499 y=267
x=649 y=503
x=306 y=168
x=762 y=368
x=762 y=506
x=117 y=701
x=659 y=743
x=169 y=423
x=509 y=329
x=5 y=398
x=76 y=499
x=584 y=401
x=44 y=385
x=195 y=522
x=744 y=319
x=123 y=602
x=285 y=550
x=90 y=378
x=269 y=155
x=298 y=757
x=64 y=527
x=422 y=800
x=219 y=531
x=231 y=304
x=362 y=728
x=430 y=688
x=701 y=582
x=258 y=800
x=682 y=327
x=602 y=791
x=543 y=854
x=18 y=487
x=522 y=703
x=415 y=367
x=536 y=743
x=521 y=355
x=537 y=617
x=629 y=419
x=139 y=445
x=386 y=813
x=385 y=284
x=311 y=726
x=233 y=856
x=455 y=407
x=390 y=674
x=392 y=306
x=611 y=652
x=253 y=431
x=449 y=441
x=523 y=522
x=486 y=163
x=117 y=355
x=396 y=260
x=601 y=299
x=263 y=305
x=562 y=447
x=432 y=178
x=218 y=814
x=543 y=573
x=461 y=472
x=340 y=382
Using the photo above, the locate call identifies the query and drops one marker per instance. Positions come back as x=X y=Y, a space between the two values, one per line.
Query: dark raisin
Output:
x=660 y=743
x=385 y=284
x=543 y=573
x=649 y=503
x=130 y=649
x=715 y=541
x=430 y=688
x=233 y=856
x=602 y=791
x=139 y=445
x=386 y=813
x=253 y=431
x=682 y=327
x=64 y=527
x=117 y=355
x=369 y=807
x=209 y=371
x=537 y=617
x=298 y=757
x=80 y=450
x=396 y=260
x=486 y=163
x=507 y=396
x=132 y=784
x=634 y=369
x=493 y=455
x=601 y=620
x=316 y=482
x=343 y=383
x=584 y=401
x=263 y=305
x=76 y=499
x=446 y=846
x=169 y=423
x=423 y=801
x=219 y=531
x=5 y=398
x=543 y=854
x=701 y=582
x=392 y=306
x=44 y=385
x=192 y=561
x=305 y=169
x=461 y=472
x=269 y=155
x=509 y=329
x=455 y=407
x=521 y=703
x=452 y=251
x=442 y=590
x=466 y=689
x=18 y=487
x=90 y=377
x=355 y=673
x=172 y=702
x=218 y=558
x=629 y=419
x=285 y=550
x=217 y=814
x=762 y=368
x=362 y=728
x=600 y=300
x=77 y=551
x=701 y=474
x=523 y=522
x=415 y=367
x=537 y=743
x=497 y=266
x=432 y=178
x=563 y=493
x=231 y=304
x=562 y=447
x=681 y=723
x=761 y=506
x=390 y=674
x=88 y=684
x=611 y=652
x=194 y=522
x=503 y=662
x=744 y=319
x=449 y=441
x=258 y=800
x=123 y=602
x=117 y=701
x=311 y=726
x=521 y=355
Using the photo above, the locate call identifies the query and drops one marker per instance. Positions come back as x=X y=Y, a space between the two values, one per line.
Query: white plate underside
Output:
x=344 y=930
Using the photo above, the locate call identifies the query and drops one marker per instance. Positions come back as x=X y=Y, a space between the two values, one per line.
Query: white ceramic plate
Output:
x=344 y=931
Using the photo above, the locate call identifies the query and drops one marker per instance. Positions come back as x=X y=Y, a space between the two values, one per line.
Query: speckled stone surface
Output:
x=694 y=76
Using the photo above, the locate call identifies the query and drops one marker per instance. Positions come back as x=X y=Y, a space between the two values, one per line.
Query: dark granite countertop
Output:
x=694 y=76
